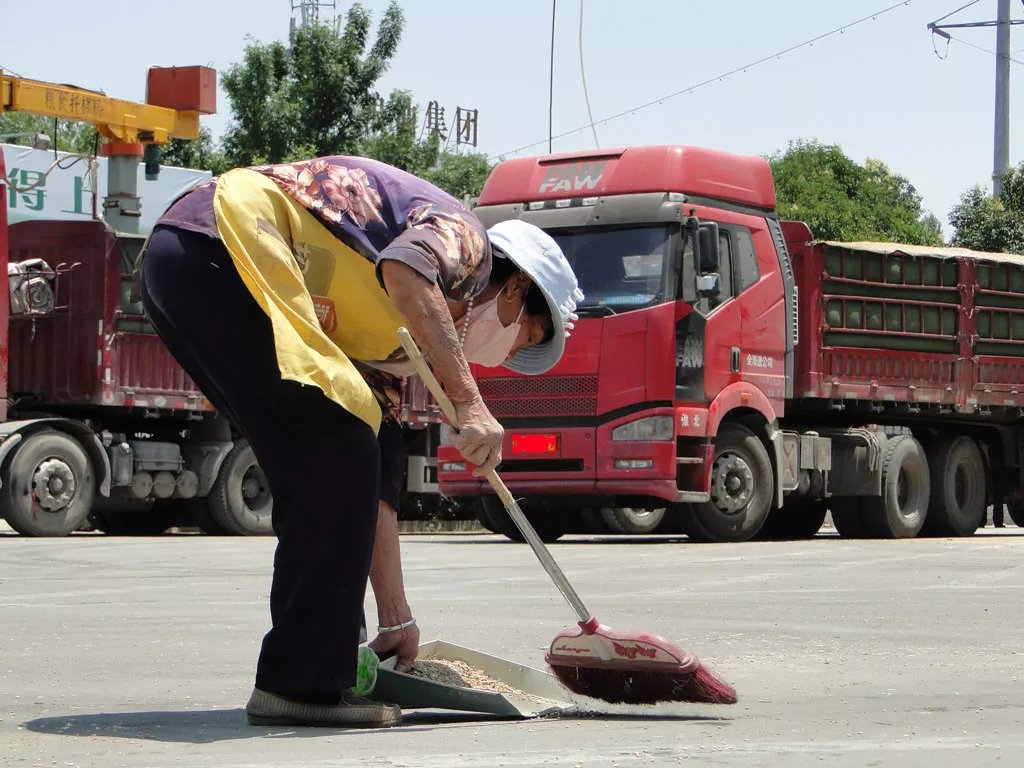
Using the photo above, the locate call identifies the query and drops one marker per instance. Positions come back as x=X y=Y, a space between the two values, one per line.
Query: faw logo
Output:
x=572 y=177
x=632 y=651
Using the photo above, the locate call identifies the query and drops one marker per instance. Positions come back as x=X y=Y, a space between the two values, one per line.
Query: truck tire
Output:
x=798 y=518
x=847 y=517
x=48 y=485
x=240 y=500
x=900 y=512
x=548 y=525
x=741 y=489
x=480 y=512
x=1015 y=509
x=959 y=496
x=632 y=520
x=197 y=511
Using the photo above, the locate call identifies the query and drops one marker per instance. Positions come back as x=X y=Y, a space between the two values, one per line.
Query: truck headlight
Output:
x=645 y=430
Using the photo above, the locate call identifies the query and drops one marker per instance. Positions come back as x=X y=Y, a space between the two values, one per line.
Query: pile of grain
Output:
x=459 y=674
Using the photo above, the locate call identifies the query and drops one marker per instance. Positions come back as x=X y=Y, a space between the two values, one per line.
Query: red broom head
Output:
x=619 y=686
x=632 y=667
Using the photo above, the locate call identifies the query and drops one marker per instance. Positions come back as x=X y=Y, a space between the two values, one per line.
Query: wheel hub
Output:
x=53 y=485
x=732 y=483
x=254 y=487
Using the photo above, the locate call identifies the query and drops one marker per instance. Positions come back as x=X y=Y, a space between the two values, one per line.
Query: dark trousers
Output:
x=322 y=463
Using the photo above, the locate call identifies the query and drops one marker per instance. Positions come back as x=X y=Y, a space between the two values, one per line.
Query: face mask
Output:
x=488 y=342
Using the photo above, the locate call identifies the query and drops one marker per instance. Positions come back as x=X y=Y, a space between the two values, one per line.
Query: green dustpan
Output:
x=540 y=693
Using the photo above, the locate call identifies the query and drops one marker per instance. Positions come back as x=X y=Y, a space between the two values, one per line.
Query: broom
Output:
x=595 y=660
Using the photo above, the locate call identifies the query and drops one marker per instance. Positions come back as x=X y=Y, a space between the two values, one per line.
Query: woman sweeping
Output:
x=279 y=289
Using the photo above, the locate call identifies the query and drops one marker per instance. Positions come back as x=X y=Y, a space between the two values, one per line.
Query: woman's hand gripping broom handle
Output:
x=546 y=560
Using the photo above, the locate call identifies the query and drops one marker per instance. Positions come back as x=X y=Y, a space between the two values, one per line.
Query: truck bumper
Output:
x=573 y=461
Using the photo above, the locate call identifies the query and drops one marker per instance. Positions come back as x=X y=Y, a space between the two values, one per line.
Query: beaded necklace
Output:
x=465 y=323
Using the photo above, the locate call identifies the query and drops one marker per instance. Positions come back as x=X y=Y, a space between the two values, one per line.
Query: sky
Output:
x=878 y=90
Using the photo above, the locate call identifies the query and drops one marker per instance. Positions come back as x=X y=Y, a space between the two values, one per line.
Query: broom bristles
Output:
x=620 y=686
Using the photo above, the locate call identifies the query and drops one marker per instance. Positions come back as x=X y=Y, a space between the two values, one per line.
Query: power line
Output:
x=717 y=78
x=953 y=13
x=979 y=48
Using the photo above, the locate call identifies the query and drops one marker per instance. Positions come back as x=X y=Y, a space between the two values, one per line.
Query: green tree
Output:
x=71 y=135
x=201 y=153
x=391 y=136
x=986 y=223
x=461 y=175
x=393 y=139
x=313 y=96
x=842 y=200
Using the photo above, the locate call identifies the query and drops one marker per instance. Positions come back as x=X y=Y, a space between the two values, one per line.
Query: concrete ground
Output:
x=140 y=652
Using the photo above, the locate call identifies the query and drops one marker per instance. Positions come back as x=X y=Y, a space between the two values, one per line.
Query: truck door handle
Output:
x=735 y=359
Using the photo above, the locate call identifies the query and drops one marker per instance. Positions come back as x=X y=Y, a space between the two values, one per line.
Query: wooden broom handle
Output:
x=448 y=409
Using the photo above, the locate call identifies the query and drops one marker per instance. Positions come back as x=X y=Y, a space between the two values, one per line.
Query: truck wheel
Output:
x=847 y=517
x=240 y=500
x=798 y=518
x=482 y=516
x=48 y=485
x=959 y=496
x=899 y=513
x=632 y=520
x=547 y=524
x=198 y=512
x=741 y=489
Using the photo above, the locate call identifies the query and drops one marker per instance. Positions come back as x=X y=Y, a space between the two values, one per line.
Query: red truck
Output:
x=99 y=425
x=734 y=375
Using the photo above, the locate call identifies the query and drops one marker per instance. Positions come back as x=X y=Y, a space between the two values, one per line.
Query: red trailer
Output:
x=98 y=423
x=733 y=374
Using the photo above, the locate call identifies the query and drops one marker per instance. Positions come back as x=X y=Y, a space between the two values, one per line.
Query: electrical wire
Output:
x=717 y=78
x=4 y=179
x=975 y=47
x=583 y=75
x=953 y=13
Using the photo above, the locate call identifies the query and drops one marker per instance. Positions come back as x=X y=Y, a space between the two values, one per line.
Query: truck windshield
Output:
x=618 y=269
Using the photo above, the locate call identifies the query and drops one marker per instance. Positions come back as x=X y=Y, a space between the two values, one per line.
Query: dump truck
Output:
x=99 y=426
x=731 y=376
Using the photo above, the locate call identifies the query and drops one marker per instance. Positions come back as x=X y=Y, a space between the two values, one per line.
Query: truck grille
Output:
x=540 y=396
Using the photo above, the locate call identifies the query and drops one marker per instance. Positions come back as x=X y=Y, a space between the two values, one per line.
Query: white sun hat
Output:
x=538 y=255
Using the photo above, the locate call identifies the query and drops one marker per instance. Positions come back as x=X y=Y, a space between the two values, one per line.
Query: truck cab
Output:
x=689 y=317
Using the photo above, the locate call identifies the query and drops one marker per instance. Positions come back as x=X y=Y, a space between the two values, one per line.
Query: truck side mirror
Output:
x=707 y=247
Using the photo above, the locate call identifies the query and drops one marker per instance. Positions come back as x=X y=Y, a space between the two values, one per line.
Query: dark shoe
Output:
x=265 y=708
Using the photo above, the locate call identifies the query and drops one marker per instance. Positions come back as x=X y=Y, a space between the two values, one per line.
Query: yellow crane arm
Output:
x=116 y=119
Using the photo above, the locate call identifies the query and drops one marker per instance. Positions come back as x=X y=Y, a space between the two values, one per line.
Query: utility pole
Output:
x=309 y=13
x=1001 y=122
x=1001 y=134
x=551 y=79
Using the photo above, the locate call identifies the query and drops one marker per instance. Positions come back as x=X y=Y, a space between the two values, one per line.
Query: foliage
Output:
x=842 y=200
x=461 y=175
x=392 y=139
x=201 y=154
x=71 y=135
x=987 y=223
x=313 y=96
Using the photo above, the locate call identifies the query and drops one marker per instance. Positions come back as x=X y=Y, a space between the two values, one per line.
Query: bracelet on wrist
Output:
x=397 y=627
